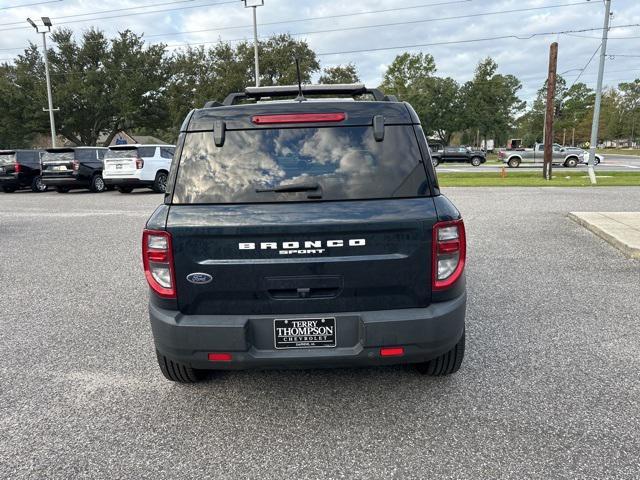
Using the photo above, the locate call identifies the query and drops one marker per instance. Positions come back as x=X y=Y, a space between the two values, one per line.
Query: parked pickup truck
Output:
x=535 y=155
x=458 y=154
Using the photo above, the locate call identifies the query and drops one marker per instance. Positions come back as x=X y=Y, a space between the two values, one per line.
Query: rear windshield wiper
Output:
x=294 y=188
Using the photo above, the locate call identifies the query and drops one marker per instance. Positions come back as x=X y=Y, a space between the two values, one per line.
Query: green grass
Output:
x=534 y=179
x=618 y=151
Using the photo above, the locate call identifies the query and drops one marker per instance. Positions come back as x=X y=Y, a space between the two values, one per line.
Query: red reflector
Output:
x=449 y=247
x=392 y=351
x=298 y=118
x=220 y=357
x=158 y=256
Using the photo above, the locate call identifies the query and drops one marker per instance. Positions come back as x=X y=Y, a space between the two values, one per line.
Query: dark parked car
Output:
x=305 y=234
x=459 y=154
x=19 y=169
x=73 y=168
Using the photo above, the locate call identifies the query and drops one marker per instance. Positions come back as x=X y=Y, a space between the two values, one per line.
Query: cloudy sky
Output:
x=370 y=33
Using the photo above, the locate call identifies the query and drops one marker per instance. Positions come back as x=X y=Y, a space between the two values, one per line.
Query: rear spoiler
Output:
x=257 y=93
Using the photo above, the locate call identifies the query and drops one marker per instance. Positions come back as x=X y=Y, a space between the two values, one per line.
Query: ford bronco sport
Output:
x=304 y=232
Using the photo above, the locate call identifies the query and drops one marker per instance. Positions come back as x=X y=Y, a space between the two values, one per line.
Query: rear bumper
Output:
x=11 y=181
x=129 y=182
x=69 y=182
x=425 y=333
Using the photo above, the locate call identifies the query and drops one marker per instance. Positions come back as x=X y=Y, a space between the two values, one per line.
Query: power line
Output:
x=362 y=27
x=297 y=20
x=30 y=4
x=473 y=40
x=586 y=2
x=586 y=65
x=392 y=24
x=130 y=14
x=101 y=11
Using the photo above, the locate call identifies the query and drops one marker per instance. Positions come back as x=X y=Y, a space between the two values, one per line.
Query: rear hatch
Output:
x=7 y=162
x=58 y=163
x=348 y=227
x=122 y=161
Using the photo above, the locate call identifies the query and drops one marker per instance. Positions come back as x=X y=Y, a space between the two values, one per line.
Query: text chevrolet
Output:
x=305 y=232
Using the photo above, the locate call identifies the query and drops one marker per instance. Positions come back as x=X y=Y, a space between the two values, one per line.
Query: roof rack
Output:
x=351 y=89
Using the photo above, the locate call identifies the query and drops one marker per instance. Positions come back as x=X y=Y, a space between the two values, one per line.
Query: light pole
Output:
x=596 y=108
x=47 y=23
x=255 y=4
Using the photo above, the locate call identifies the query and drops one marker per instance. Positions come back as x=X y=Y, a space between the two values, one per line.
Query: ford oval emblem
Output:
x=199 y=278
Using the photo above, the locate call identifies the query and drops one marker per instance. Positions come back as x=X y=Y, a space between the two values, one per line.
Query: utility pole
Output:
x=596 y=109
x=254 y=4
x=52 y=121
x=573 y=137
x=548 y=120
x=564 y=136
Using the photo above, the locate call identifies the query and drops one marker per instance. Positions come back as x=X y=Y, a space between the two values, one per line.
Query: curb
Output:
x=629 y=250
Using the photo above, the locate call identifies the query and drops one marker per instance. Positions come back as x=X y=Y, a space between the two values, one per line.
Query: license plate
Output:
x=304 y=332
x=58 y=168
x=118 y=167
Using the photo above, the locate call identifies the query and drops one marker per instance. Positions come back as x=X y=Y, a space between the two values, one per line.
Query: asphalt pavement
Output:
x=550 y=386
x=612 y=163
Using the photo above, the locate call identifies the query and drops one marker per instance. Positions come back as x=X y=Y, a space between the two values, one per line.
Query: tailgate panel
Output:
x=303 y=257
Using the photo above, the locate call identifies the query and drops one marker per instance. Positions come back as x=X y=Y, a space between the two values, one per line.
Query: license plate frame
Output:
x=320 y=334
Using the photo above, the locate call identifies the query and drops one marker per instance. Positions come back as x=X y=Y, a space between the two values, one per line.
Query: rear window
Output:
x=86 y=155
x=122 y=153
x=141 y=152
x=58 y=157
x=7 y=158
x=346 y=163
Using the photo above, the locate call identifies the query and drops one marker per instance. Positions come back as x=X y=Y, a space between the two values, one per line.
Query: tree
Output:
x=490 y=101
x=630 y=103
x=13 y=106
x=277 y=64
x=438 y=105
x=407 y=73
x=340 y=74
x=100 y=86
x=198 y=75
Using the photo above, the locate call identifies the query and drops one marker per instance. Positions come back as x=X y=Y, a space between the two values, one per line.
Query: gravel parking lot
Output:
x=550 y=386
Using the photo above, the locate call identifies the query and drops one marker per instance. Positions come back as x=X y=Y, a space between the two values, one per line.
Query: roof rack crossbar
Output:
x=293 y=90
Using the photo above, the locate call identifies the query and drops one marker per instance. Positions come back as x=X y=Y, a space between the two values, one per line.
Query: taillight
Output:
x=449 y=253
x=157 y=257
x=139 y=163
x=298 y=118
x=76 y=165
x=16 y=167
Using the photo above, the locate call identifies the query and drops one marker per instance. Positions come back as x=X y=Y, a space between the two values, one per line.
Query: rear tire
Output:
x=514 y=162
x=160 y=183
x=177 y=372
x=445 y=364
x=37 y=185
x=8 y=189
x=62 y=189
x=125 y=189
x=435 y=161
x=476 y=161
x=97 y=184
